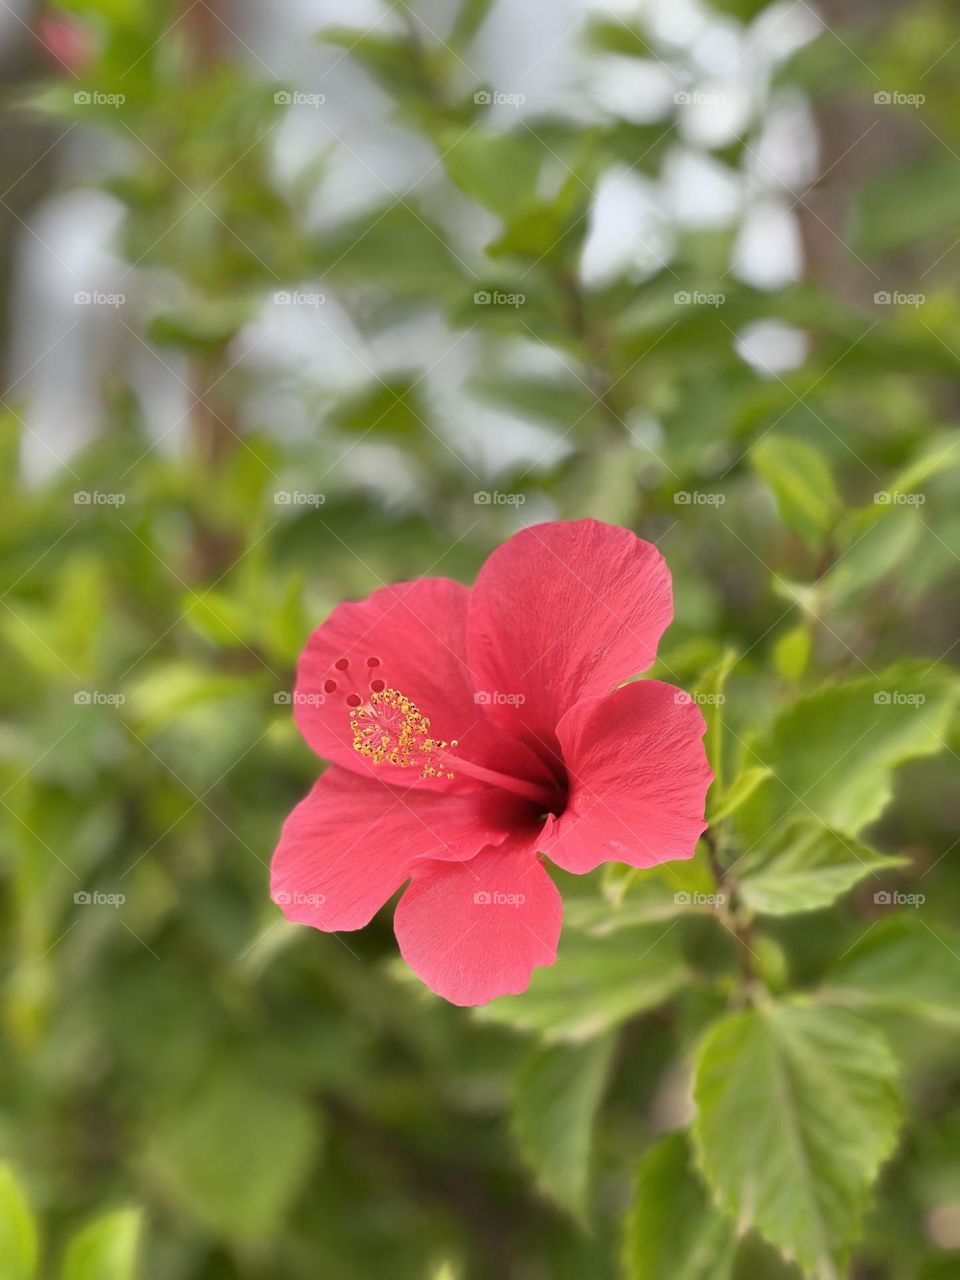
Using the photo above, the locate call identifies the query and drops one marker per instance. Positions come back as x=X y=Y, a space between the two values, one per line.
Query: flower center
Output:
x=389 y=728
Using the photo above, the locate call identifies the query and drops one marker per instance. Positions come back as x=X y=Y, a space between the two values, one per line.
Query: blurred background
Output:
x=302 y=299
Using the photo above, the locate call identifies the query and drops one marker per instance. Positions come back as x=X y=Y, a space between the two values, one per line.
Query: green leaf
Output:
x=757 y=1260
x=470 y=18
x=801 y=483
x=745 y=10
x=634 y=896
x=879 y=539
x=168 y=692
x=106 y=1249
x=385 y=407
x=11 y=441
x=608 y=36
x=367 y=248
x=797 y=1109
x=233 y=1153
x=938 y=453
x=552 y=227
x=559 y=1089
x=906 y=204
x=711 y=699
x=673 y=1231
x=739 y=791
x=116 y=12
x=18 y=1231
x=805 y=867
x=204 y=326
x=389 y=59
x=217 y=617
x=833 y=752
x=534 y=231
x=499 y=170
x=563 y=401
x=904 y=965
x=791 y=653
x=595 y=984
x=770 y=962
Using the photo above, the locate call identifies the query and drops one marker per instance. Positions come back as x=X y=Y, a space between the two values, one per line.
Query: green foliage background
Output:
x=741 y=1067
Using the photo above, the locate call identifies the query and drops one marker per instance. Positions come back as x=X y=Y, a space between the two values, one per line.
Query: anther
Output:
x=390 y=729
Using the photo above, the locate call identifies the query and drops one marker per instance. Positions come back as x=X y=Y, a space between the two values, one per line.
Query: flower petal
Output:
x=476 y=930
x=415 y=633
x=352 y=842
x=562 y=612
x=638 y=777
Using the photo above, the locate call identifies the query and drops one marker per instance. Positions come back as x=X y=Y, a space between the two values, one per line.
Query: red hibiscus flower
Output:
x=473 y=730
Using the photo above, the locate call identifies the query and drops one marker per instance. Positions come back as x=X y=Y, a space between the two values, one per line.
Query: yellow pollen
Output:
x=390 y=729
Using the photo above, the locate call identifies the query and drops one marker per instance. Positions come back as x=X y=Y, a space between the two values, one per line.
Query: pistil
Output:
x=519 y=786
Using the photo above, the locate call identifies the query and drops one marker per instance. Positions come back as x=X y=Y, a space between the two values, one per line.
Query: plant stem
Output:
x=738 y=922
x=599 y=377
